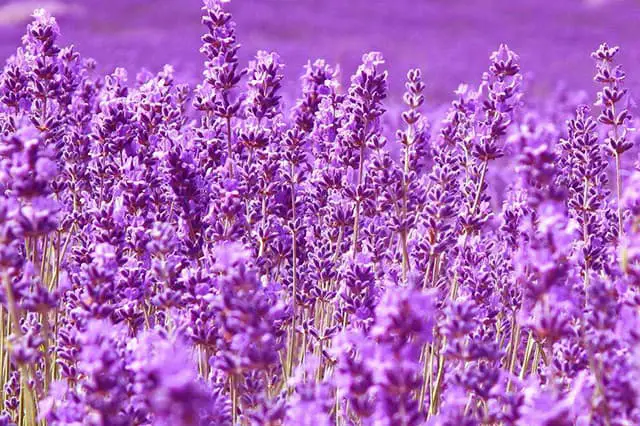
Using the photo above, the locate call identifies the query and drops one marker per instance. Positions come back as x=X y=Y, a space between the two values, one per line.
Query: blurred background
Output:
x=449 y=39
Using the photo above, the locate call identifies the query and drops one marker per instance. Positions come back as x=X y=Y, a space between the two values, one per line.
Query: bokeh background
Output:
x=449 y=39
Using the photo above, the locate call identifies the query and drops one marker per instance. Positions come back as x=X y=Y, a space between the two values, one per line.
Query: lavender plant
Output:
x=218 y=255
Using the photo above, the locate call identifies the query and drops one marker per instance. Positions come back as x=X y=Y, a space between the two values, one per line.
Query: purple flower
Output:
x=166 y=379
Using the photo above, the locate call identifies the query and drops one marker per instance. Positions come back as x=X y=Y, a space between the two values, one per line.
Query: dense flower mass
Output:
x=217 y=255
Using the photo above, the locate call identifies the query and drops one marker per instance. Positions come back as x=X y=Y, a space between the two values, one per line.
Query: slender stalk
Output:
x=406 y=267
x=338 y=244
x=498 y=327
x=515 y=342
x=11 y=304
x=27 y=401
x=483 y=174
x=619 y=193
x=425 y=280
x=531 y=344
x=426 y=350
x=6 y=367
x=585 y=231
x=21 y=402
x=428 y=355
x=403 y=234
x=536 y=359
x=356 y=226
x=46 y=331
x=337 y=407
x=234 y=399
x=229 y=146
x=435 y=393
x=294 y=262
x=467 y=406
x=45 y=246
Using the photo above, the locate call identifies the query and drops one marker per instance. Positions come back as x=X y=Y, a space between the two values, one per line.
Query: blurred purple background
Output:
x=449 y=39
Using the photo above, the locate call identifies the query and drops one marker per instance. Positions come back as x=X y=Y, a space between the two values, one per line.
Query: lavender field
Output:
x=449 y=40
x=325 y=213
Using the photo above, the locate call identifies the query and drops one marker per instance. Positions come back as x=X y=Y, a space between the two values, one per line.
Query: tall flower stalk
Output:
x=614 y=114
x=500 y=93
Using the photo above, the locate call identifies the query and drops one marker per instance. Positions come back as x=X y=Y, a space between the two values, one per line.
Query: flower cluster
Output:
x=208 y=255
